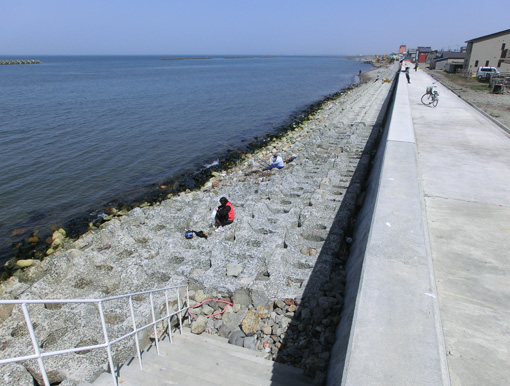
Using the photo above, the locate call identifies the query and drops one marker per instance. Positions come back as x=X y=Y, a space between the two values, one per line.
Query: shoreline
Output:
x=32 y=241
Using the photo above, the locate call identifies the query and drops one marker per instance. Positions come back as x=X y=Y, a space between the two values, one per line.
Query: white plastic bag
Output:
x=213 y=217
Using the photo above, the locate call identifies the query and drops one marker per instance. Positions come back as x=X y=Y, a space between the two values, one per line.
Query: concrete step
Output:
x=208 y=371
x=160 y=376
x=203 y=360
x=210 y=353
x=215 y=340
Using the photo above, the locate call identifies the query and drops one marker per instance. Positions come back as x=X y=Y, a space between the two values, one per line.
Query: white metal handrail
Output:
x=38 y=355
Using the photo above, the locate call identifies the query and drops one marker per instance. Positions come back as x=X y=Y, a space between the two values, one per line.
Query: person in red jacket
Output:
x=224 y=214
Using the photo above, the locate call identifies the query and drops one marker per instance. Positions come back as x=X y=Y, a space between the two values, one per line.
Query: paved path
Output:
x=464 y=169
x=433 y=303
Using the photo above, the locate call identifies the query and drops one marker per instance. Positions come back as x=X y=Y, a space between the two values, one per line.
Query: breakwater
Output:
x=11 y=62
x=286 y=248
x=189 y=58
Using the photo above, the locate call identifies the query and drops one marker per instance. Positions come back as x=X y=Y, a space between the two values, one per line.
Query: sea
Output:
x=77 y=132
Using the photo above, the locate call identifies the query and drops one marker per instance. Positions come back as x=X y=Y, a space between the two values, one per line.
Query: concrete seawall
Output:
x=397 y=327
x=391 y=302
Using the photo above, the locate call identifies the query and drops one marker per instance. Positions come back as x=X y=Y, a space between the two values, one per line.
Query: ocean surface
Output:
x=79 y=131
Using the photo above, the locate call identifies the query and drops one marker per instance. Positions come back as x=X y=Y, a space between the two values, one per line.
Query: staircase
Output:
x=201 y=360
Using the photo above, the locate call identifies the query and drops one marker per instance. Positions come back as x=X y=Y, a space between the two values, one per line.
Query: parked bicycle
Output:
x=431 y=97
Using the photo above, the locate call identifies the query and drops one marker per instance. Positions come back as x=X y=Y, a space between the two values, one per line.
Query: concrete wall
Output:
x=390 y=331
x=354 y=268
x=354 y=264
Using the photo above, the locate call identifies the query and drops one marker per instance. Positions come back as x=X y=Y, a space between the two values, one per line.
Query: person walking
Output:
x=407 y=75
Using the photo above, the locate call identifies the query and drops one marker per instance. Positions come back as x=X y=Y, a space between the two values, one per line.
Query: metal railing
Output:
x=38 y=355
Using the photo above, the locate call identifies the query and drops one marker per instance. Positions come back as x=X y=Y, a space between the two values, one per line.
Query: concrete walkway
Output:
x=464 y=167
x=433 y=302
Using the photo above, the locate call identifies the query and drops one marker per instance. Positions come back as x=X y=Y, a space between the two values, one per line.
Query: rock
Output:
x=58 y=234
x=293 y=352
x=250 y=323
x=25 y=263
x=318 y=315
x=19 y=231
x=200 y=296
x=242 y=297
x=16 y=374
x=232 y=320
x=326 y=302
x=196 y=311
x=57 y=243
x=5 y=311
x=285 y=322
x=206 y=310
x=259 y=298
x=279 y=303
x=33 y=239
x=237 y=338
x=306 y=315
x=223 y=331
x=262 y=312
x=315 y=364
x=267 y=330
x=198 y=325
x=250 y=342
x=234 y=270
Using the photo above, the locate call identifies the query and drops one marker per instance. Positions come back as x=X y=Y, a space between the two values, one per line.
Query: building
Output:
x=448 y=61
x=422 y=53
x=431 y=56
x=490 y=50
x=411 y=55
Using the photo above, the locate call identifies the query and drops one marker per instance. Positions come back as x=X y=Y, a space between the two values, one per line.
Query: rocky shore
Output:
x=280 y=263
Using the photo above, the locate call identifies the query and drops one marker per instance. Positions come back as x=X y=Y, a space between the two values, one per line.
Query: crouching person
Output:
x=224 y=214
x=277 y=162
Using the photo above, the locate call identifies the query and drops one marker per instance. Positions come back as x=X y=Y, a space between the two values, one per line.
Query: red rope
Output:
x=209 y=300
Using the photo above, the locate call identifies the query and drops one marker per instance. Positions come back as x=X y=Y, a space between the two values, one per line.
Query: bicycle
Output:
x=431 y=97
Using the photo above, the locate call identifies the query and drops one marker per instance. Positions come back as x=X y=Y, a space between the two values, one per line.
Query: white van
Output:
x=483 y=72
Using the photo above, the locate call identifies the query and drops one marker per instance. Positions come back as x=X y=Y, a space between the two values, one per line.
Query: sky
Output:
x=242 y=27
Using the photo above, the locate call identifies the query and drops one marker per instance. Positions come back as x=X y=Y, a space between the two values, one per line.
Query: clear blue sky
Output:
x=258 y=27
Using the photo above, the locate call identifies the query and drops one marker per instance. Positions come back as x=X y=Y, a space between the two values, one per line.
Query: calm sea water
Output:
x=76 y=132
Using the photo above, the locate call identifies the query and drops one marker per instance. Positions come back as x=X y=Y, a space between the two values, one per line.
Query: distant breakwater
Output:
x=35 y=245
x=210 y=57
x=10 y=62
x=185 y=58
